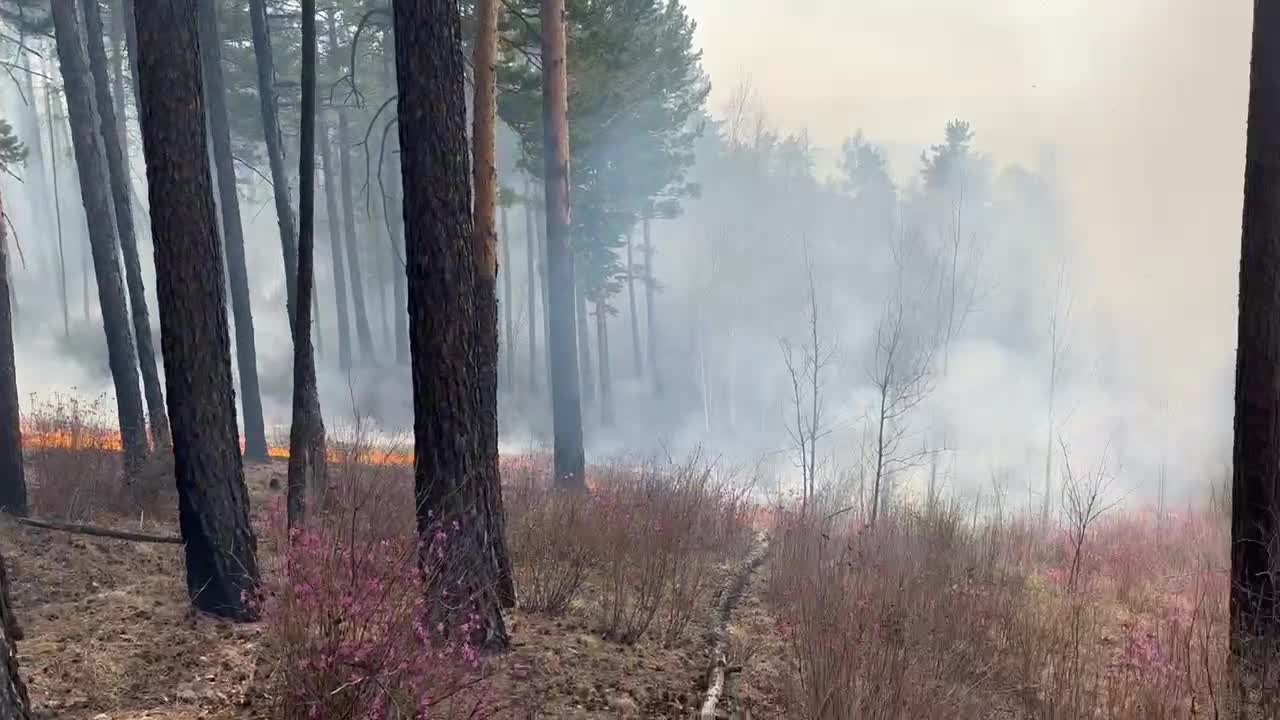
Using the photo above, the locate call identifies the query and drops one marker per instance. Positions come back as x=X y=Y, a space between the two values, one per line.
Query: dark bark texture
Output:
x=307 y=461
x=455 y=432
x=335 y=245
x=14 y=704
x=255 y=434
x=1255 y=494
x=213 y=502
x=118 y=172
x=566 y=402
x=13 y=482
x=95 y=193
x=275 y=150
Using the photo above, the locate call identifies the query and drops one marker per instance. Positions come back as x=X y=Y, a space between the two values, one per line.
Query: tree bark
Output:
x=87 y=141
x=307 y=460
x=650 y=290
x=636 y=357
x=566 y=403
x=118 y=172
x=606 y=378
x=255 y=434
x=455 y=430
x=14 y=703
x=584 y=344
x=213 y=502
x=531 y=265
x=335 y=246
x=13 y=483
x=275 y=150
x=395 y=211
x=1255 y=494
x=117 y=75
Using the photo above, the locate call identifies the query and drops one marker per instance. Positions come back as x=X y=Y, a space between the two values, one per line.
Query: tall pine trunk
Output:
x=602 y=351
x=395 y=210
x=307 y=461
x=275 y=150
x=213 y=502
x=335 y=247
x=508 y=321
x=255 y=434
x=531 y=275
x=96 y=195
x=14 y=703
x=485 y=253
x=13 y=483
x=1255 y=491
x=118 y=172
x=637 y=358
x=650 y=290
x=57 y=207
x=117 y=74
x=584 y=343
x=455 y=428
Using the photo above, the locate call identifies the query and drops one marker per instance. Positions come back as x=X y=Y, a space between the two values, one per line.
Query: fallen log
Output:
x=97 y=531
x=720 y=668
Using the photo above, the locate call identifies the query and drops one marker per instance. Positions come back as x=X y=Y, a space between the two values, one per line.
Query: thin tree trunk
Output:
x=117 y=75
x=395 y=211
x=531 y=263
x=14 y=703
x=275 y=149
x=650 y=289
x=540 y=227
x=584 y=344
x=1255 y=492
x=97 y=204
x=13 y=483
x=363 y=332
x=255 y=434
x=335 y=246
x=57 y=208
x=307 y=461
x=509 y=331
x=636 y=357
x=455 y=431
x=606 y=378
x=118 y=173
x=485 y=253
x=213 y=502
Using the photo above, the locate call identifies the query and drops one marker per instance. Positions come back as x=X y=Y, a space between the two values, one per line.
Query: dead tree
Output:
x=96 y=195
x=455 y=431
x=213 y=502
x=809 y=425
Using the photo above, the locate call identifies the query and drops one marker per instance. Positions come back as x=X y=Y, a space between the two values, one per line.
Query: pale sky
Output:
x=1146 y=98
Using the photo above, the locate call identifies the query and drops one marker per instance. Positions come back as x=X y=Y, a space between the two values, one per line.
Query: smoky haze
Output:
x=1131 y=113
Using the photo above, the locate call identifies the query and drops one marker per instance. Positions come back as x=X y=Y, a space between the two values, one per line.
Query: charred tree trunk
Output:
x=14 y=704
x=1255 y=492
x=395 y=210
x=602 y=351
x=335 y=246
x=13 y=483
x=650 y=290
x=584 y=344
x=485 y=253
x=255 y=434
x=455 y=431
x=117 y=76
x=508 y=321
x=275 y=150
x=87 y=141
x=566 y=404
x=118 y=172
x=307 y=461
x=213 y=502
x=636 y=357
x=531 y=274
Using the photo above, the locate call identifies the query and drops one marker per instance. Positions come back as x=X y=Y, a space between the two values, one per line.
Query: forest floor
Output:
x=110 y=635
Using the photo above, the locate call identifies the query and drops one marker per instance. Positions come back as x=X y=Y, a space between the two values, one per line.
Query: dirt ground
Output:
x=109 y=635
